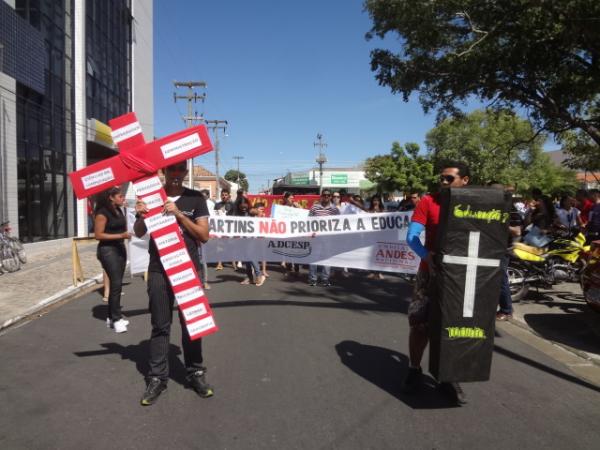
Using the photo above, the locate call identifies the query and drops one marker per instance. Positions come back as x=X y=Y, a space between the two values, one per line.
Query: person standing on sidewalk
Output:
x=322 y=208
x=110 y=229
x=427 y=217
x=189 y=207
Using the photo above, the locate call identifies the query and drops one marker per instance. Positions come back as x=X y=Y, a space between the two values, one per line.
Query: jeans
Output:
x=161 y=300
x=253 y=265
x=203 y=273
x=313 y=272
x=113 y=259
x=505 y=297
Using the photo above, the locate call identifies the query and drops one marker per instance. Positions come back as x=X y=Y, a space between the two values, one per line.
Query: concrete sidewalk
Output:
x=46 y=278
x=561 y=316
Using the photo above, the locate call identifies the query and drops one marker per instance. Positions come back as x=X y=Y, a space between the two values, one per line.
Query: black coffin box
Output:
x=471 y=242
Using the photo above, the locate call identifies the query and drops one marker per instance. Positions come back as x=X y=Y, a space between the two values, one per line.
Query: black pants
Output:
x=162 y=299
x=113 y=259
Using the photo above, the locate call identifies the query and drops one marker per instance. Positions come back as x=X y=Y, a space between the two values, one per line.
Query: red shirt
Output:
x=585 y=209
x=427 y=213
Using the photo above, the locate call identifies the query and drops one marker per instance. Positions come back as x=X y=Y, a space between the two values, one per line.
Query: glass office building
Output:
x=66 y=65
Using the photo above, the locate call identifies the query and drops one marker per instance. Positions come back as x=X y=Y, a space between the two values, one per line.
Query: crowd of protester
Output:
x=536 y=219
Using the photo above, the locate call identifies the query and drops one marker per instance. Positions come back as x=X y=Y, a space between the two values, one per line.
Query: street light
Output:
x=238 y=169
x=321 y=159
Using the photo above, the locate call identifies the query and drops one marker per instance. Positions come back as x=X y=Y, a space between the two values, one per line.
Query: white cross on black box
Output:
x=471 y=243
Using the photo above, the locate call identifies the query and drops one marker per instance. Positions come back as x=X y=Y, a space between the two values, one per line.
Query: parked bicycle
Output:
x=12 y=252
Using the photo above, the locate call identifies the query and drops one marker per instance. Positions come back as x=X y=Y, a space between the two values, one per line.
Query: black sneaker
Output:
x=198 y=383
x=325 y=283
x=154 y=388
x=312 y=282
x=454 y=392
x=413 y=381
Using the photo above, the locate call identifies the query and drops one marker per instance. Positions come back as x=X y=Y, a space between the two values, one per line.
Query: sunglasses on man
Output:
x=447 y=179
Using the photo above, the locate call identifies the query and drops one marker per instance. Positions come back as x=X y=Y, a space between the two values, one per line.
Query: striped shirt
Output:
x=320 y=210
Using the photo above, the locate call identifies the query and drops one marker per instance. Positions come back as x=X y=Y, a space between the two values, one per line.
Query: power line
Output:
x=191 y=96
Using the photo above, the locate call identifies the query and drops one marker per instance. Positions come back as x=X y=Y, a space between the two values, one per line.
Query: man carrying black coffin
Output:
x=426 y=217
x=189 y=207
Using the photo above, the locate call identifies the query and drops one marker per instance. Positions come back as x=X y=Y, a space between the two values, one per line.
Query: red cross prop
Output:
x=139 y=162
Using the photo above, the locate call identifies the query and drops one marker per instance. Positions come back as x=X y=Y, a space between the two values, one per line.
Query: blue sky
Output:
x=279 y=72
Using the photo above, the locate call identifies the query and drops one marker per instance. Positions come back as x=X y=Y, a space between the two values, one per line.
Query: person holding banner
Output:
x=291 y=268
x=110 y=229
x=253 y=273
x=189 y=207
x=426 y=218
x=323 y=208
x=224 y=208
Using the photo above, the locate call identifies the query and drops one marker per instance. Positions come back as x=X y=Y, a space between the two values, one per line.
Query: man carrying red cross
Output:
x=189 y=207
x=175 y=227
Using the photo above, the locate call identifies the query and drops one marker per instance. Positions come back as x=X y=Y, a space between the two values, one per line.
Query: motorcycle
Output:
x=590 y=278
x=561 y=261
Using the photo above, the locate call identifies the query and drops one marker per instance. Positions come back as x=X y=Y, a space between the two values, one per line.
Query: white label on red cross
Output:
x=472 y=261
x=147 y=186
x=175 y=259
x=200 y=326
x=180 y=146
x=98 y=178
x=194 y=311
x=153 y=201
x=167 y=240
x=126 y=132
x=158 y=222
x=188 y=295
x=182 y=277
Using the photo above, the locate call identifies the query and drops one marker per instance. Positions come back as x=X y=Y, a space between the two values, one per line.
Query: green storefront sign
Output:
x=340 y=178
x=300 y=180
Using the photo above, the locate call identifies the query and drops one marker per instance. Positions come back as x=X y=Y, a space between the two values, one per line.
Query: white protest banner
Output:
x=381 y=251
x=379 y=245
x=231 y=226
x=288 y=212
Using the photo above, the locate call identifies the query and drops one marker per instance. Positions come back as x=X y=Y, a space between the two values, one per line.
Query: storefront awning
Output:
x=99 y=133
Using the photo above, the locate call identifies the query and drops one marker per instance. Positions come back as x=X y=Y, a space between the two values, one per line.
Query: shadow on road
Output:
x=545 y=368
x=570 y=329
x=100 y=312
x=386 y=369
x=139 y=354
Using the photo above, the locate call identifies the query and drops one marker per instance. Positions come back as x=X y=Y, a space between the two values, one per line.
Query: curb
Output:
x=68 y=293
x=521 y=323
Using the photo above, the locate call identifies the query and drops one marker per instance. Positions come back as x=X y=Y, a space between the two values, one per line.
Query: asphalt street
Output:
x=293 y=367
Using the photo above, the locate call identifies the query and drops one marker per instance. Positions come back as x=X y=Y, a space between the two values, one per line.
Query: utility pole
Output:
x=321 y=159
x=192 y=97
x=217 y=125
x=238 y=169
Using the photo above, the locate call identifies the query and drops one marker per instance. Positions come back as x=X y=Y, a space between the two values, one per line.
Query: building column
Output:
x=9 y=205
x=79 y=62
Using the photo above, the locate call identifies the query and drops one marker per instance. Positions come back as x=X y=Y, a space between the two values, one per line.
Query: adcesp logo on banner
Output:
x=297 y=249
x=394 y=254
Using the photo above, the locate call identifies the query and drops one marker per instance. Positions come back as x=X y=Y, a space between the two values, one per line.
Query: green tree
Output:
x=582 y=153
x=403 y=169
x=498 y=146
x=233 y=175
x=541 y=55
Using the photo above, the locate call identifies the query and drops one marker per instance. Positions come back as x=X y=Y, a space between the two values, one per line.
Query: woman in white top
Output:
x=567 y=216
